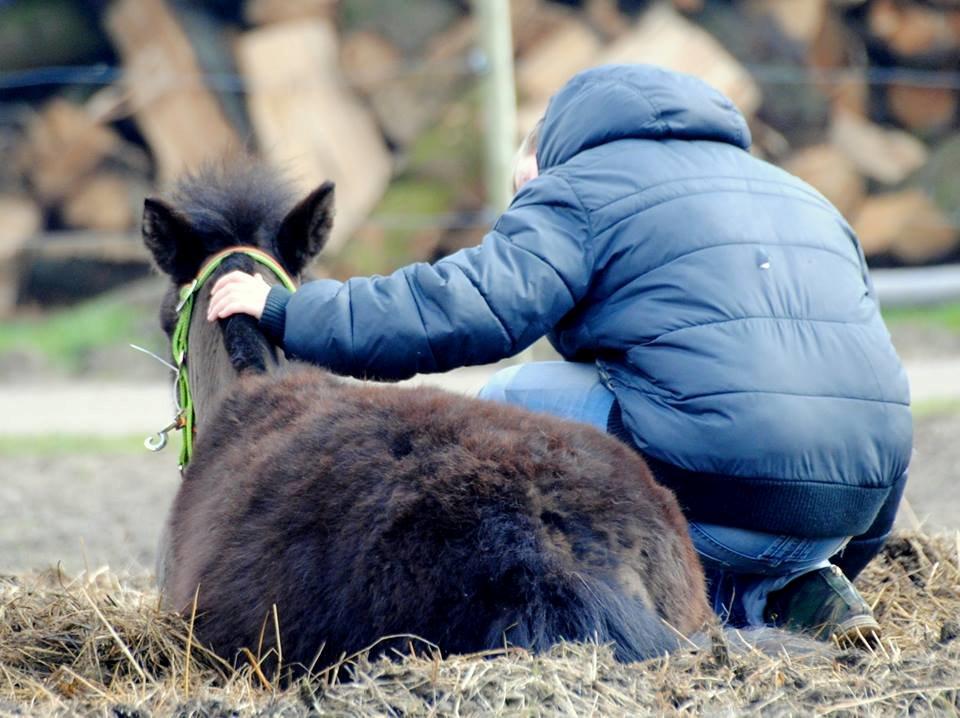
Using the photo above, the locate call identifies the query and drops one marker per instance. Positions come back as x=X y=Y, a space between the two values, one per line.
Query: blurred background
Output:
x=401 y=102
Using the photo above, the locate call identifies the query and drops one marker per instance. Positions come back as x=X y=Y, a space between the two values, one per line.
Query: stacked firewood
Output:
x=858 y=97
x=76 y=172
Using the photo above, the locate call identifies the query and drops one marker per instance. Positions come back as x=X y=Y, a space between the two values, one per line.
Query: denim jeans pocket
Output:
x=742 y=551
x=785 y=548
x=717 y=551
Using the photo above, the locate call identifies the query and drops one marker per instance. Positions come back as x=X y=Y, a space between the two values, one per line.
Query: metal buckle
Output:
x=185 y=295
x=157 y=441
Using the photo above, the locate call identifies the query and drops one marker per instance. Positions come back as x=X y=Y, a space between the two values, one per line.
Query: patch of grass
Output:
x=454 y=147
x=945 y=316
x=414 y=196
x=65 y=444
x=935 y=407
x=67 y=336
x=410 y=208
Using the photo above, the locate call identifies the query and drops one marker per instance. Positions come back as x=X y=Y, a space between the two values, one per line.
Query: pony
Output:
x=319 y=514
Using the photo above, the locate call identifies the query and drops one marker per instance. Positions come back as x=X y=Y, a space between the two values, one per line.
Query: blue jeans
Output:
x=742 y=567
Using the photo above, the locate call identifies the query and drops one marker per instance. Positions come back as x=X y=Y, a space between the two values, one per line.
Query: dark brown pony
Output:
x=357 y=511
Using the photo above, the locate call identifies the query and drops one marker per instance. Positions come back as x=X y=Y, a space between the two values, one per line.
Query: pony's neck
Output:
x=211 y=361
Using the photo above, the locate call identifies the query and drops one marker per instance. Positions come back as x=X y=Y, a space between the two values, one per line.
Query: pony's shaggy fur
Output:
x=350 y=512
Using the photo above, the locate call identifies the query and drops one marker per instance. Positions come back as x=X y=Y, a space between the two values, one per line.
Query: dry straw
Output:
x=99 y=645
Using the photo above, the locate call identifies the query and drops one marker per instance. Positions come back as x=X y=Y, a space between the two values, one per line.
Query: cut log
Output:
x=907 y=225
x=925 y=110
x=768 y=144
x=912 y=30
x=308 y=123
x=452 y=43
x=533 y=20
x=22 y=220
x=106 y=201
x=63 y=144
x=408 y=101
x=265 y=12
x=180 y=118
x=838 y=57
x=369 y=61
x=212 y=43
x=887 y=156
x=800 y=20
x=605 y=17
x=550 y=63
x=830 y=171
x=661 y=36
x=688 y=6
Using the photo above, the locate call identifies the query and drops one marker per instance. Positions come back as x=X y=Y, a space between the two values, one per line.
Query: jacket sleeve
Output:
x=476 y=306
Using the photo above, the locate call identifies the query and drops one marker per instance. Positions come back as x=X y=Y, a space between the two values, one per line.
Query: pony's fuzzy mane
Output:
x=235 y=201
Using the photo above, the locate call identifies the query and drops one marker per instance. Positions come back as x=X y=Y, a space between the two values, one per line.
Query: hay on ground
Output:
x=99 y=645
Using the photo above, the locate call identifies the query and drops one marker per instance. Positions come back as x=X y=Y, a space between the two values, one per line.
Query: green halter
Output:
x=185 y=413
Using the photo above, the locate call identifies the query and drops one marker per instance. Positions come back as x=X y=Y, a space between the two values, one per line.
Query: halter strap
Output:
x=185 y=413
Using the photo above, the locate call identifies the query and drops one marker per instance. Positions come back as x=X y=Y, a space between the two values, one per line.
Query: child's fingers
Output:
x=229 y=309
x=237 y=293
x=218 y=304
x=224 y=294
x=230 y=306
x=226 y=301
x=235 y=277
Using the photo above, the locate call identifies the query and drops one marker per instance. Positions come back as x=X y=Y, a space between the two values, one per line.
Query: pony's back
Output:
x=360 y=512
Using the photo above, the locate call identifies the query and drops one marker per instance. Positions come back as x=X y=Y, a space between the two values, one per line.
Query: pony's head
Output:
x=232 y=204
x=235 y=203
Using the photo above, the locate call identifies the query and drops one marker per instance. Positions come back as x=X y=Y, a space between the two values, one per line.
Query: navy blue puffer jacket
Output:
x=726 y=303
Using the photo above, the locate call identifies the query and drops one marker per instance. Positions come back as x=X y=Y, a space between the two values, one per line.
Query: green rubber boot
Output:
x=826 y=605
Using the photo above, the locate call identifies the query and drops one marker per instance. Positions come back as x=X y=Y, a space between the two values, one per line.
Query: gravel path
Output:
x=83 y=510
x=933 y=490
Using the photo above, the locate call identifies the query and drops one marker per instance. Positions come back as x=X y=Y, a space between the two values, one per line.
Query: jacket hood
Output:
x=617 y=102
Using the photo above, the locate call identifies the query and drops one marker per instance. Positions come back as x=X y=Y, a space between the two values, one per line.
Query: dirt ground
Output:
x=83 y=510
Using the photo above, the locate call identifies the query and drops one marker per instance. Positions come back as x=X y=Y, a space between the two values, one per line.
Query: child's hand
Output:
x=238 y=293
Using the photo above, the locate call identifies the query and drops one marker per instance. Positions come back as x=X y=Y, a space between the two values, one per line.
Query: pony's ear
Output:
x=171 y=240
x=306 y=228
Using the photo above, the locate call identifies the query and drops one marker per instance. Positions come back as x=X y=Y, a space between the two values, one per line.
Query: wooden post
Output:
x=496 y=38
x=500 y=99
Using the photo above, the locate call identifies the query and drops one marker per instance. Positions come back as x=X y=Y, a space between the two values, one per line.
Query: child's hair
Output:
x=528 y=148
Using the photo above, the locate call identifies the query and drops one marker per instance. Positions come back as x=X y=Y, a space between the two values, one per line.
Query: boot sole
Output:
x=858 y=631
